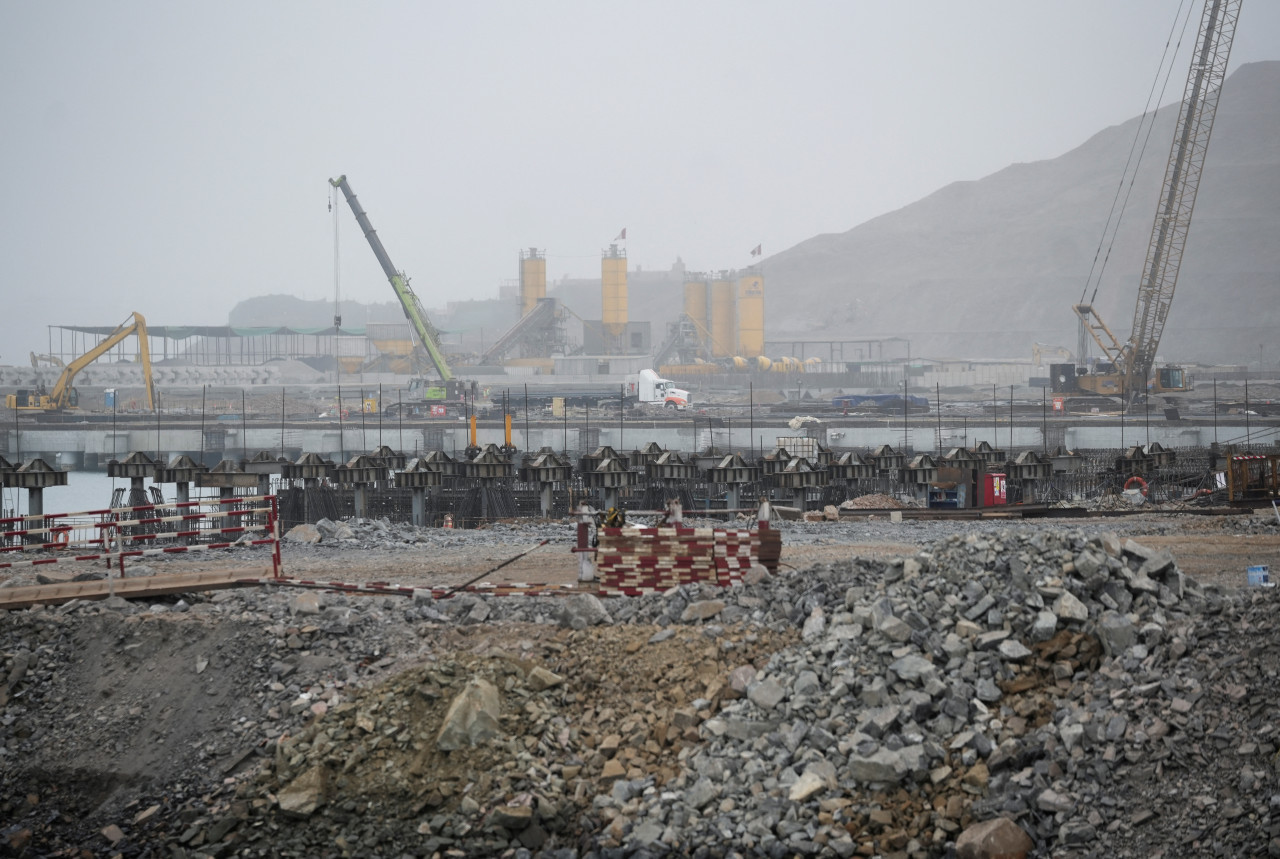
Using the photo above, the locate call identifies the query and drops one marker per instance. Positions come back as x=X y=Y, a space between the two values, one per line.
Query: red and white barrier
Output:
x=634 y=561
x=116 y=533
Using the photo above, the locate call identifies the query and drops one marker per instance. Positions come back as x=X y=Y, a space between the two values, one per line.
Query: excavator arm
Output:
x=60 y=397
x=413 y=310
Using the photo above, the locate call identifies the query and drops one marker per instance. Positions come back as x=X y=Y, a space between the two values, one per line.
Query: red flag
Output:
x=755 y=252
x=622 y=236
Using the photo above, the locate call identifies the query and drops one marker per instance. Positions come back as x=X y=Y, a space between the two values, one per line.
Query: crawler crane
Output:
x=1128 y=371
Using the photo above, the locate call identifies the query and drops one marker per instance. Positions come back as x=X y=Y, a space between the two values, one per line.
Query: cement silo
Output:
x=613 y=297
x=751 y=315
x=724 y=317
x=695 y=307
x=533 y=279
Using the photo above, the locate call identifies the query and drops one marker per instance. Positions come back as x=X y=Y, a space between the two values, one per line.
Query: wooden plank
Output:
x=130 y=588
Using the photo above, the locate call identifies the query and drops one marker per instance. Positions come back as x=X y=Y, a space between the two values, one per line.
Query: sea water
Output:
x=85 y=490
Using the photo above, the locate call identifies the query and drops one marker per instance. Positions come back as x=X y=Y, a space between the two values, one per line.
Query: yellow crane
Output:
x=64 y=396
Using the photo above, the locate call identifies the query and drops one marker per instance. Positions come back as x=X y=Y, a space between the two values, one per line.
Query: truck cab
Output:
x=648 y=387
x=669 y=395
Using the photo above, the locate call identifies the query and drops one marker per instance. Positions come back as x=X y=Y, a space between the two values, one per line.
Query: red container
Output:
x=992 y=487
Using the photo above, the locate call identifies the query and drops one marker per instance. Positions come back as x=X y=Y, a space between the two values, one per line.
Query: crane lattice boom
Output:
x=1178 y=197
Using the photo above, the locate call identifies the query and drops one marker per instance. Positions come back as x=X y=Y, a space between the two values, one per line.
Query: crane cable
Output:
x=337 y=267
x=1113 y=228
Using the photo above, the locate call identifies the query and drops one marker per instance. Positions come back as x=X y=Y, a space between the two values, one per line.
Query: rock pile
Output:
x=1001 y=692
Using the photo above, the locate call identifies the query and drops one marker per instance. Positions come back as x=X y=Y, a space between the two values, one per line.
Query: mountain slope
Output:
x=986 y=268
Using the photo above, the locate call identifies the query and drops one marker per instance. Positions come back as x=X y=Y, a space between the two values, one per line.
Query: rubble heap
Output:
x=1002 y=691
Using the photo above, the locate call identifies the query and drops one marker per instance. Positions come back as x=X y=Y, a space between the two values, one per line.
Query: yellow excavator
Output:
x=64 y=395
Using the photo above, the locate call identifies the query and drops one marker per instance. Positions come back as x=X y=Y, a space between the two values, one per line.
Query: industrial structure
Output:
x=1128 y=369
x=541 y=331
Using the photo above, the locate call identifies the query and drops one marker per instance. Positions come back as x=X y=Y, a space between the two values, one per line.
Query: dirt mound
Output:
x=873 y=502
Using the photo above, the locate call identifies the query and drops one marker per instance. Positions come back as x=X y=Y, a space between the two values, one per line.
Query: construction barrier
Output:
x=116 y=533
x=634 y=561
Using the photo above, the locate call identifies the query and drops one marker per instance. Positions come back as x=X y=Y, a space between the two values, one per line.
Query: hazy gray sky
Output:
x=173 y=158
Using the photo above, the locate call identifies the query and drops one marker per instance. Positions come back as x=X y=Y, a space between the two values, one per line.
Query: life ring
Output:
x=62 y=537
x=346 y=413
x=1136 y=481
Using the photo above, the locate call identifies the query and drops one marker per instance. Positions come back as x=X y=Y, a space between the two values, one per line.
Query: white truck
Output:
x=648 y=387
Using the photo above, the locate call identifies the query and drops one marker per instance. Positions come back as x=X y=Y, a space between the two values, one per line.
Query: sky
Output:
x=172 y=158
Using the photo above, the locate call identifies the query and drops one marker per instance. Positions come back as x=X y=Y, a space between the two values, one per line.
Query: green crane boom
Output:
x=427 y=333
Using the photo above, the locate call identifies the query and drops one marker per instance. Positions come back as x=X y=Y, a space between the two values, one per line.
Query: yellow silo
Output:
x=724 y=317
x=751 y=315
x=695 y=306
x=613 y=280
x=533 y=279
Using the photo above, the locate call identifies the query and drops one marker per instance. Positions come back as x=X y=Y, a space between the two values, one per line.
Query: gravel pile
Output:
x=1049 y=692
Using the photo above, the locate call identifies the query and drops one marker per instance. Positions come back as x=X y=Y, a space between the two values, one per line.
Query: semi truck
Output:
x=648 y=387
x=643 y=388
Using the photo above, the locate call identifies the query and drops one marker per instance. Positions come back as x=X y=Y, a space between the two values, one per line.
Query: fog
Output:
x=173 y=158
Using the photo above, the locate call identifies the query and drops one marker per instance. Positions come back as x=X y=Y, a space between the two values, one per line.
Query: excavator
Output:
x=1128 y=371
x=449 y=389
x=64 y=395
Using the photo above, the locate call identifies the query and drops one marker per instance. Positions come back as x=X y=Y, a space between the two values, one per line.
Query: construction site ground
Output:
x=150 y=706
x=1215 y=550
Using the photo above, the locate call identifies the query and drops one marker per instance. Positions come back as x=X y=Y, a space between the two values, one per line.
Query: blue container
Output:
x=1260 y=576
x=109 y=398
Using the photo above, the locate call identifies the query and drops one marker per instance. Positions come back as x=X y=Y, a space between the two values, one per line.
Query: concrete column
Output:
x=610 y=494
x=35 y=507
x=361 y=499
x=731 y=497
x=546 y=499
x=419 y=505
x=184 y=492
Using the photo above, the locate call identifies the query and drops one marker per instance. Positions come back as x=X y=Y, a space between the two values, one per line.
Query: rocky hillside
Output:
x=989 y=267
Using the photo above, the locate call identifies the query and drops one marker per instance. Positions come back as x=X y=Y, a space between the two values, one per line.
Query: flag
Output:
x=755 y=252
x=622 y=236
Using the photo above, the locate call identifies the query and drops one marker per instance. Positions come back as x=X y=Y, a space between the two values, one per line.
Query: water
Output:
x=85 y=490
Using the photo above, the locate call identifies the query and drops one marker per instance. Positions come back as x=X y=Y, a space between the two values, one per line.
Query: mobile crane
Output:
x=1128 y=371
x=449 y=389
x=64 y=395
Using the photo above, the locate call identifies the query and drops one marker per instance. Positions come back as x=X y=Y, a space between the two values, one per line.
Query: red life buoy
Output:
x=62 y=537
x=346 y=413
x=1136 y=481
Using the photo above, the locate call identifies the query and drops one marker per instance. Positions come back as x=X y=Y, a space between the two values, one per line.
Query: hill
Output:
x=986 y=268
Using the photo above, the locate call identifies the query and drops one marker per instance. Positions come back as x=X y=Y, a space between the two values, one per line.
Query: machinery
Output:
x=648 y=387
x=1128 y=369
x=643 y=388
x=448 y=389
x=64 y=395
x=1056 y=354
